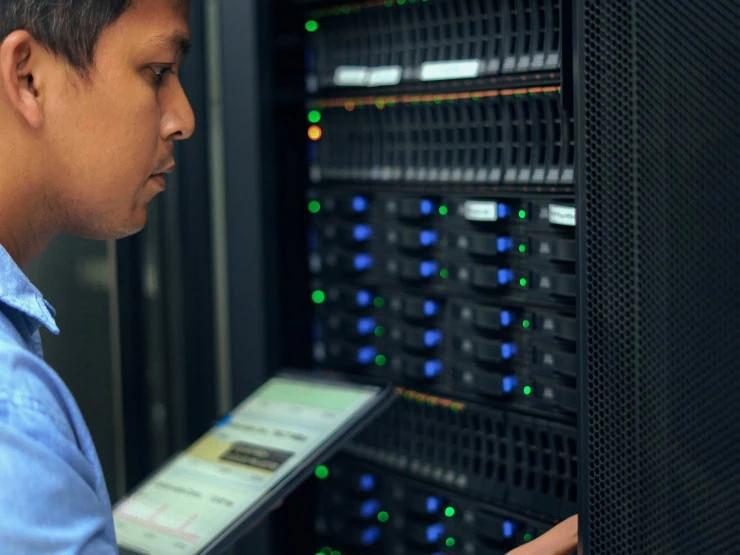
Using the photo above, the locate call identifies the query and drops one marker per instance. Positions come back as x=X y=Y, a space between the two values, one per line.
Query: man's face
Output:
x=108 y=136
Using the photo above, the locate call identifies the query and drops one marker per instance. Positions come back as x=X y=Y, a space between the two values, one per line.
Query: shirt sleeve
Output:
x=48 y=502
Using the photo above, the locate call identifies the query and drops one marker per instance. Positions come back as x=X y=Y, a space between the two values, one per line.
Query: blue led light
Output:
x=505 y=276
x=432 y=338
x=508 y=350
x=504 y=210
x=508 y=528
x=359 y=204
x=312 y=151
x=428 y=268
x=362 y=232
x=432 y=368
x=365 y=326
x=363 y=262
x=430 y=308
x=313 y=240
x=433 y=504
x=427 y=237
x=507 y=317
x=363 y=298
x=504 y=244
x=365 y=355
x=370 y=535
x=434 y=533
x=426 y=207
x=369 y=508
x=509 y=383
x=366 y=482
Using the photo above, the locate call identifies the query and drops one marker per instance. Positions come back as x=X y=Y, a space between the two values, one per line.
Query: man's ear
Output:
x=20 y=61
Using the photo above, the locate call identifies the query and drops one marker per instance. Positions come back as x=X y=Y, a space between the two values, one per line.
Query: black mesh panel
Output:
x=659 y=173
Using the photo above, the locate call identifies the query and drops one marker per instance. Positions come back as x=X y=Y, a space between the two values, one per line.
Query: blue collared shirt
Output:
x=53 y=497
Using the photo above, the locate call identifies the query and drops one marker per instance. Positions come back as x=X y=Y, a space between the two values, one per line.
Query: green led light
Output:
x=450 y=542
x=312 y=25
x=335 y=552
x=380 y=360
x=528 y=390
x=444 y=273
x=383 y=516
x=314 y=116
x=455 y=408
x=523 y=282
x=321 y=472
x=388 y=3
x=450 y=512
x=443 y=210
x=326 y=550
x=314 y=206
x=522 y=248
x=379 y=331
x=528 y=537
x=379 y=302
x=522 y=214
x=318 y=296
x=401 y=2
x=526 y=324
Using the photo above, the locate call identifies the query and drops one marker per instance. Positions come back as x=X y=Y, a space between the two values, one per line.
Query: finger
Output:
x=562 y=539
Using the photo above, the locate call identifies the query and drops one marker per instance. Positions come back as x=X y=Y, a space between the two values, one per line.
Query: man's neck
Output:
x=22 y=232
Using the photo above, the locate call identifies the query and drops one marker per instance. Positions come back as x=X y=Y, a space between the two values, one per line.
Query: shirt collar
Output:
x=17 y=291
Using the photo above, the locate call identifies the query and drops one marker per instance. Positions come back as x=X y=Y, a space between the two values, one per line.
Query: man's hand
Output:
x=562 y=539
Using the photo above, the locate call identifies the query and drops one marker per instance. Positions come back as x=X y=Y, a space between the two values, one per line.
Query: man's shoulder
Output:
x=29 y=389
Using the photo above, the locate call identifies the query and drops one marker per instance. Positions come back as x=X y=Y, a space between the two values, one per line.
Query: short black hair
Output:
x=67 y=28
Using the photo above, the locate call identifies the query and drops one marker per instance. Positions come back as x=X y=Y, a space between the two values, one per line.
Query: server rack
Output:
x=405 y=180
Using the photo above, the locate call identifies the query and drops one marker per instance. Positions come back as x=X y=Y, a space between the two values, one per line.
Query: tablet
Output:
x=206 y=497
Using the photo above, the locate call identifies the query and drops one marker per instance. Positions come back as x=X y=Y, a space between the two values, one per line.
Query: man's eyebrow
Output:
x=177 y=41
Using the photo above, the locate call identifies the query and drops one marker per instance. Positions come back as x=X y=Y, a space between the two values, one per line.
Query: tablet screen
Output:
x=190 y=502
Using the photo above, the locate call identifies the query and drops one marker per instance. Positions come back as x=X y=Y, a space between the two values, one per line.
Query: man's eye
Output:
x=160 y=72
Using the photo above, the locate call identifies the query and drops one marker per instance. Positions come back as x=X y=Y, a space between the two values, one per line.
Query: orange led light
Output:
x=315 y=132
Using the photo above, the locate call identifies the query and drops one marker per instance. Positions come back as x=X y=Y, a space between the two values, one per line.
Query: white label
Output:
x=481 y=210
x=350 y=76
x=562 y=215
x=459 y=69
x=384 y=76
x=363 y=76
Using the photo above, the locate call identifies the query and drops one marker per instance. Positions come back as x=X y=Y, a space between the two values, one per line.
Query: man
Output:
x=90 y=108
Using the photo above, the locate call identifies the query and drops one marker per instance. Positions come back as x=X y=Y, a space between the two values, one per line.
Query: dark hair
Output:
x=68 y=28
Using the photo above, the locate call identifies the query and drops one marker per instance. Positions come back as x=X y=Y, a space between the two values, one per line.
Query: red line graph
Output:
x=150 y=522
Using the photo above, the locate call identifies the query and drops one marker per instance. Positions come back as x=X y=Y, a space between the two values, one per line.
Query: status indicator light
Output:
x=522 y=248
x=444 y=273
x=430 y=308
x=432 y=504
x=523 y=282
x=528 y=390
x=383 y=516
x=508 y=384
x=318 y=296
x=450 y=512
x=528 y=537
x=450 y=542
x=359 y=204
x=315 y=132
x=506 y=318
x=314 y=116
x=434 y=533
x=370 y=536
x=443 y=210
x=363 y=298
x=366 y=482
x=379 y=331
x=369 y=508
x=508 y=528
x=522 y=214
x=314 y=207
x=380 y=360
x=312 y=25
x=321 y=472
x=526 y=324
x=426 y=207
x=379 y=302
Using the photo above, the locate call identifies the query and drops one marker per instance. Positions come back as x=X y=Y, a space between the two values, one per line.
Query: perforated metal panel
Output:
x=659 y=179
